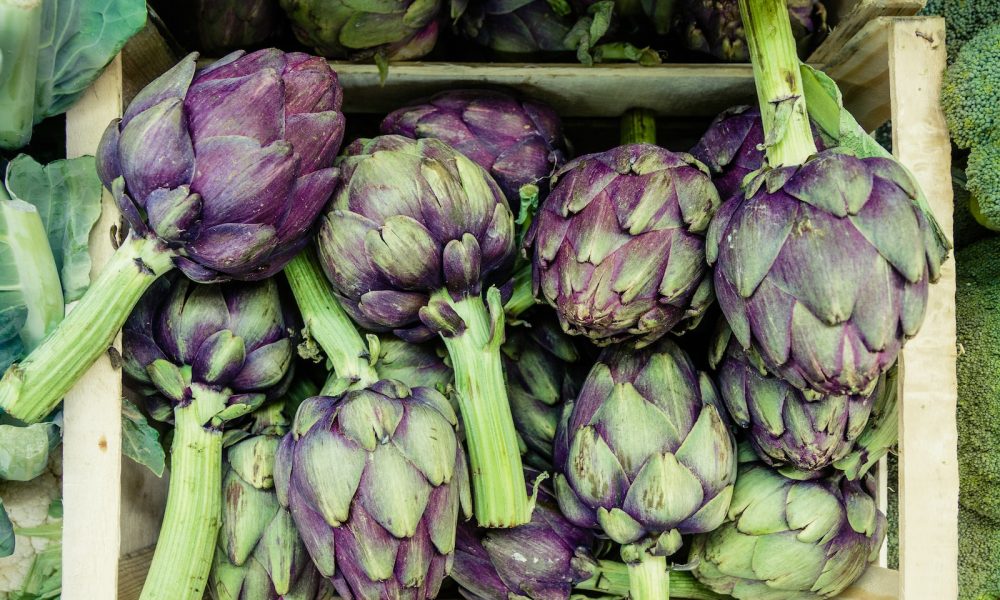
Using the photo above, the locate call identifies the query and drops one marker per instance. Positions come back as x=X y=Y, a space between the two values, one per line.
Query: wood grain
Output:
x=928 y=464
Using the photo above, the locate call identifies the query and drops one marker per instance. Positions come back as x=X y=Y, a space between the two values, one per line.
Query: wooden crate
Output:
x=886 y=66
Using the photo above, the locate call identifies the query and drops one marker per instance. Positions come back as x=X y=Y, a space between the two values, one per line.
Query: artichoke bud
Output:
x=174 y=214
x=172 y=381
x=253 y=460
x=220 y=357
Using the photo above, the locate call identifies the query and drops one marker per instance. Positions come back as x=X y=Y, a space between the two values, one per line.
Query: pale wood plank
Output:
x=861 y=69
x=92 y=437
x=928 y=466
x=848 y=20
x=132 y=573
x=877 y=583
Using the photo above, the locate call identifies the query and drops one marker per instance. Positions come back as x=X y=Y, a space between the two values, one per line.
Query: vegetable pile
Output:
x=452 y=355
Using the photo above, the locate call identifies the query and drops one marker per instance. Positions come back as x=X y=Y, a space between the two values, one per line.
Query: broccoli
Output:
x=969 y=98
x=978 y=545
x=963 y=19
x=977 y=299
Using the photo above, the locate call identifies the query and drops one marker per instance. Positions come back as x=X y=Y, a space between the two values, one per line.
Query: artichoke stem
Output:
x=611 y=578
x=20 y=31
x=326 y=322
x=498 y=490
x=638 y=126
x=522 y=298
x=183 y=556
x=780 y=92
x=649 y=579
x=31 y=389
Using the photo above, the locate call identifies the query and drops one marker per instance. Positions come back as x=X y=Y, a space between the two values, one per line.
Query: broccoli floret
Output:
x=978 y=544
x=977 y=299
x=983 y=175
x=963 y=19
x=971 y=88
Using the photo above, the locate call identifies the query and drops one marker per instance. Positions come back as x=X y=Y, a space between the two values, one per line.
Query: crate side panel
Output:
x=928 y=464
x=92 y=434
x=850 y=17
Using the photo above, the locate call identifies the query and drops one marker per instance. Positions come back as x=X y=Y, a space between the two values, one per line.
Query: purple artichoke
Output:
x=231 y=24
x=416 y=365
x=375 y=479
x=220 y=171
x=645 y=453
x=732 y=147
x=341 y=29
x=823 y=268
x=788 y=426
x=216 y=352
x=515 y=28
x=790 y=538
x=619 y=244
x=541 y=560
x=412 y=233
x=715 y=27
x=519 y=142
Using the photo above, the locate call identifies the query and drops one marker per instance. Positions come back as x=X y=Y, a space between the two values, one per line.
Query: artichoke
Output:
x=732 y=147
x=375 y=479
x=416 y=365
x=216 y=352
x=715 y=27
x=619 y=246
x=399 y=30
x=519 y=142
x=541 y=560
x=645 y=456
x=260 y=555
x=413 y=231
x=790 y=538
x=823 y=264
x=221 y=172
x=231 y=24
x=788 y=426
x=543 y=369
x=515 y=28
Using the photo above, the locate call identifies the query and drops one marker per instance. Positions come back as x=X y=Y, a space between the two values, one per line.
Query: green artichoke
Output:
x=788 y=538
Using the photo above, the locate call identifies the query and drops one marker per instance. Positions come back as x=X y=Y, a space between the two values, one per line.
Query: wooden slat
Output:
x=877 y=583
x=850 y=20
x=861 y=70
x=92 y=434
x=574 y=90
x=132 y=573
x=928 y=466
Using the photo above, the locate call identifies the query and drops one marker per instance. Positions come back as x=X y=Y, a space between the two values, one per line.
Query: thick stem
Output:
x=649 y=579
x=326 y=322
x=31 y=389
x=183 y=556
x=20 y=29
x=639 y=126
x=787 y=136
x=32 y=271
x=522 y=298
x=612 y=578
x=498 y=488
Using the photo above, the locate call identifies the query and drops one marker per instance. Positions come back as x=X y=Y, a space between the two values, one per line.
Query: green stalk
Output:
x=649 y=579
x=498 y=489
x=31 y=389
x=327 y=323
x=20 y=33
x=638 y=126
x=788 y=136
x=33 y=266
x=522 y=298
x=612 y=578
x=183 y=556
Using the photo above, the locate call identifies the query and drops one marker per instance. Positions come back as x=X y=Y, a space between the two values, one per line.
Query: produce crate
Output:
x=886 y=66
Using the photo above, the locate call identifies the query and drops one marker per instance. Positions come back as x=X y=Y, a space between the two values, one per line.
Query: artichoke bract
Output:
x=714 y=26
x=417 y=365
x=413 y=231
x=788 y=426
x=790 y=538
x=260 y=555
x=221 y=172
x=231 y=24
x=518 y=141
x=645 y=456
x=375 y=480
x=399 y=30
x=215 y=352
x=823 y=264
x=619 y=244
x=732 y=147
x=541 y=560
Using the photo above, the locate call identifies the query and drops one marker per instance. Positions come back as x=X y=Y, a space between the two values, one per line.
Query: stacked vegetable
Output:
x=446 y=368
